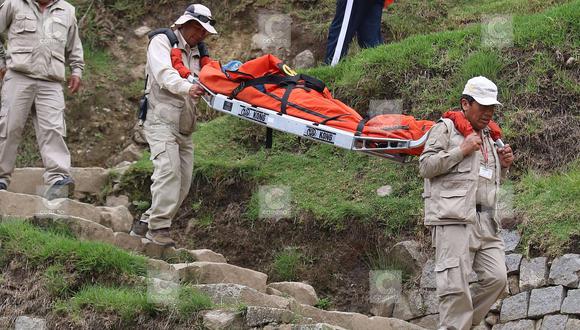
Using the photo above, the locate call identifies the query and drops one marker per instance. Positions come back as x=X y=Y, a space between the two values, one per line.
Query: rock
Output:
x=275 y=292
x=428 y=275
x=162 y=270
x=81 y=228
x=157 y=251
x=304 y=60
x=408 y=255
x=570 y=62
x=88 y=181
x=545 y=301
x=385 y=191
x=514 y=284
x=515 y=307
x=571 y=304
x=142 y=31
x=496 y=307
x=29 y=323
x=573 y=324
x=554 y=322
x=219 y=319
x=354 y=321
x=117 y=218
x=205 y=255
x=162 y=292
x=203 y=272
x=481 y=327
x=131 y=153
x=517 y=325
x=427 y=322
x=260 y=316
x=533 y=273
x=114 y=201
x=235 y=294
x=302 y=292
x=565 y=271
x=383 y=308
x=127 y=242
x=317 y=326
x=511 y=239
x=512 y=262
x=492 y=319
x=404 y=309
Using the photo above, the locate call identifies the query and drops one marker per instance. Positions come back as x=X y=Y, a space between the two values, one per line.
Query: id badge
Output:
x=485 y=172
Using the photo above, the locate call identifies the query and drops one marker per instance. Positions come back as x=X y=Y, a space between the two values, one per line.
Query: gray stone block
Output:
x=428 y=275
x=512 y=262
x=565 y=271
x=515 y=307
x=545 y=301
x=571 y=304
x=511 y=239
x=554 y=322
x=29 y=323
x=516 y=325
x=573 y=324
x=533 y=273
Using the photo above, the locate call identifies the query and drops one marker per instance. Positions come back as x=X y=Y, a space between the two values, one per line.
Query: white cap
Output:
x=192 y=12
x=483 y=90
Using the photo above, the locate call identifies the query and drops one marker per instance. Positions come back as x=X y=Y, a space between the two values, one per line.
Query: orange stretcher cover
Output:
x=310 y=104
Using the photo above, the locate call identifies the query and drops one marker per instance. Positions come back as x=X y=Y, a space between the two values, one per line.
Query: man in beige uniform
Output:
x=42 y=36
x=171 y=121
x=462 y=181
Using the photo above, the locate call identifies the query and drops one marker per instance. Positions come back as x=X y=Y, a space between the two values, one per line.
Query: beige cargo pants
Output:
x=172 y=156
x=19 y=94
x=459 y=249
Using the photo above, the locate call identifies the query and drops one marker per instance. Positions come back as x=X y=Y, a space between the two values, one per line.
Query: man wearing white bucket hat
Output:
x=170 y=121
x=462 y=169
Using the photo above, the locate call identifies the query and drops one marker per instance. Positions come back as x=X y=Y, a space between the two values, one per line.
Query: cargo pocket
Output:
x=187 y=120
x=21 y=58
x=24 y=23
x=161 y=162
x=452 y=204
x=448 y=277
x=57 y=67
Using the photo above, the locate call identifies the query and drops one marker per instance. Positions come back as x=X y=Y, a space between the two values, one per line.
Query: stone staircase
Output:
x=284 y=305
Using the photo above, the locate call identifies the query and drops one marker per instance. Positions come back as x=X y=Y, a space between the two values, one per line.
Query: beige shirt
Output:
x=486 y=188
x=168 y=93
x=40 y=43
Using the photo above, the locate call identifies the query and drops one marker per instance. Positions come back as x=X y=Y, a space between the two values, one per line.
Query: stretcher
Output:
x=267 y=92
x=314 y=131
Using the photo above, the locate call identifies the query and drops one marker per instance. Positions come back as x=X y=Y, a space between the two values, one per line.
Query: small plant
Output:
x=323 y=303
x=287 y=263
x=141 y=206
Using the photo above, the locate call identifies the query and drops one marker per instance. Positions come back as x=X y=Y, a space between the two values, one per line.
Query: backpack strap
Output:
x=167 y=32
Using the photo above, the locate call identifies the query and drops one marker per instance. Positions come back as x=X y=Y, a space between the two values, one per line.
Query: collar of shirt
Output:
x=182 y=44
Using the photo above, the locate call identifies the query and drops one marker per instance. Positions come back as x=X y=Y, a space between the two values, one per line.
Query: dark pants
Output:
x=365 y=23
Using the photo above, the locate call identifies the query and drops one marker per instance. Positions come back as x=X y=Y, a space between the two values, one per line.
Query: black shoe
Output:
x=64 y=188
x=139 y=228
x=3 y=186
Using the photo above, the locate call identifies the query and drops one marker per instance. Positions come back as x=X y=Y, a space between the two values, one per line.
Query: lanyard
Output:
x=483 y=149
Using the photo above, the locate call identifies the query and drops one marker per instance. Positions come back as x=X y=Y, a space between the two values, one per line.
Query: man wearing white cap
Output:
x=171 y=120
x=462 y=170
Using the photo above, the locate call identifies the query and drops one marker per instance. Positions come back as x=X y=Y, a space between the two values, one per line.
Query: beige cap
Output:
x=483 y=90
x=200 y=13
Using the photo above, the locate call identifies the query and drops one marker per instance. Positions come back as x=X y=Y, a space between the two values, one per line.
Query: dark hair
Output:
x=469 y=99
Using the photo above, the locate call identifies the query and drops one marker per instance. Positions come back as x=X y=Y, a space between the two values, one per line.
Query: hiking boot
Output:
x=160 y=237
x=139 y=228
x=3 y=186
x=64 y=188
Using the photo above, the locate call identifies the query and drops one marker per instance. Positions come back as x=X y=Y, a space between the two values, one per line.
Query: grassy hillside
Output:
x=74 y=284
x=426 y=72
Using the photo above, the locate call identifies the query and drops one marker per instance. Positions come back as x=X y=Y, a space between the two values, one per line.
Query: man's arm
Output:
x=74 y=49
x=159 y=59
x=5 y=21
x=436 y=159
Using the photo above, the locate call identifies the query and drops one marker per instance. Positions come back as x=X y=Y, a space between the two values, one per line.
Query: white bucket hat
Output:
x=201 y=14
x=483 y=90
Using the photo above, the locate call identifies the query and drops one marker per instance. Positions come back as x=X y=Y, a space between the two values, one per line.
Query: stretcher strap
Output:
x=331 y=118
x=361 y=126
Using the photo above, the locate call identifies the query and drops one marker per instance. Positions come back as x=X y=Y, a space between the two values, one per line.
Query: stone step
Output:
x=88 y=180
x=213 y=272
x=17 y=205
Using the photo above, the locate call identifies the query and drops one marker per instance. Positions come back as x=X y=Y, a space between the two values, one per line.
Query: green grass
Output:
x=287 y=264
x=550 y=204
x=40 y=247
